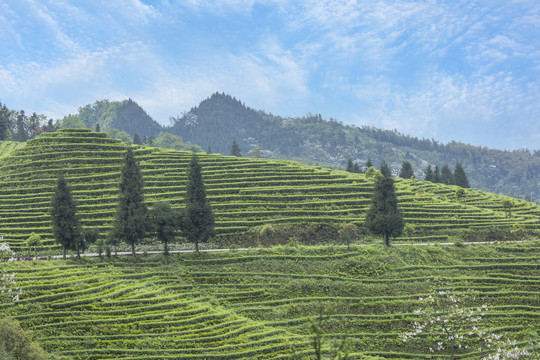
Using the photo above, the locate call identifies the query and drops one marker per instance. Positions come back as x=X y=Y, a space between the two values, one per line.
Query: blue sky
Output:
x=450 y=70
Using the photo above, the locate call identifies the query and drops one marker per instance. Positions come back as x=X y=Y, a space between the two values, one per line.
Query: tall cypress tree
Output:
x=5 y=121
x=383 y=216
x=460 y=178
x=137 y=139
x=406 y=171
x=436 y=175
x=198 y=224
x=130 y=223
x=65 y=222
x=446 y=175
x=350 y=166
x=369 y=163
x=428 y=174
x=235 y=149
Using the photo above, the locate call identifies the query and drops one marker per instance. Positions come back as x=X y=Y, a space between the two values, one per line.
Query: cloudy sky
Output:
x=450 y=70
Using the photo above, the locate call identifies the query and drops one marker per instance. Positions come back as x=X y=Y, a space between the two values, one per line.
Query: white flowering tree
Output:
x=451 y=328
x=9 y=291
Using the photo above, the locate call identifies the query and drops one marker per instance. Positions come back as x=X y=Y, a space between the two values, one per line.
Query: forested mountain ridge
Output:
x=220 y=119
x=124 y=115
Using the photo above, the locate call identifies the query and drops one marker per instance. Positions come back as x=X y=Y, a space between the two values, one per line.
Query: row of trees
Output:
x=18 y=126
x=445 y=175
x=133 y=220
x=431 y=173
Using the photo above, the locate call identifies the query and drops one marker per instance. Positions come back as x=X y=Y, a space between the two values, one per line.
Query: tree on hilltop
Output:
x=65 y=222
x=428 y=173
x=235 y=149
x=369 y=164
x=446 y=175
x=130 y=222
x=383 y=216
x=406 y=171
x=198 y=219
x=137 y=139
x=350 y=166
x=460 y=178
x=436 y=175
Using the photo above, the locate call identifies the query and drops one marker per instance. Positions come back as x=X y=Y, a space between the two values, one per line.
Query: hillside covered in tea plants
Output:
x=262 y=304
x=268 y=302
x=244 y=193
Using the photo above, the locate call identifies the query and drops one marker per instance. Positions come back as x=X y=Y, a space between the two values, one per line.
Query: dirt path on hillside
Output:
x=128 y=253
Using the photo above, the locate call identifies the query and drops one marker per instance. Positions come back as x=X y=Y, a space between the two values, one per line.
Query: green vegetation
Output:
x=130 y=221
x=125 y=115
x=17 y=344
x=310 y=139
x=406 y=171
x=235 y=149
x=65 y=222
x=244 y=193
x=7 y=147
x=262 y=304
x=383 y=216
x=198 y=218
x=165 y=222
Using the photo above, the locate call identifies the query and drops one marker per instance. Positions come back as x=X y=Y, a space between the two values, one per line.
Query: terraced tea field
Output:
x=259 y=304
x=244 y=193
x=7 y=147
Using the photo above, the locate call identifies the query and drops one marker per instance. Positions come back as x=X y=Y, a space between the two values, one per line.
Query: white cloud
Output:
x=268 y=79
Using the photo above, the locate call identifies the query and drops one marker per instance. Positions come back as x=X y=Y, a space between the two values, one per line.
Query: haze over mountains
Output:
x=220 y=119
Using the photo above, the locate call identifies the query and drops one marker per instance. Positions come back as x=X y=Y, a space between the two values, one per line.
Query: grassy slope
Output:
x=244 y=192
x=259 y=304
x=7 y=147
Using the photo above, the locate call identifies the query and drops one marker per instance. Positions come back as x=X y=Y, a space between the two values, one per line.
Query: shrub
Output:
x=348 y=233
x=17 y=344
x=34 y=243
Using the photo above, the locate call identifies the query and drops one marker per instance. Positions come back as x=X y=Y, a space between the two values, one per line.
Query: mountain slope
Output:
x=124 y=115
x=220 y=119
x=244 y=193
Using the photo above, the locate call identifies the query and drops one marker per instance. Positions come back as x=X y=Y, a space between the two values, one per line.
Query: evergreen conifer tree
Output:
x=5 y=121
x=65 y=222
x=235 y=149
x=436 y=175
x=356 y=168
x=383 y=216
x=198 y=224
x=350 y=166
x=446 y=175
x=98 y=128
x=406 y=171
x=385 y=170
x=428 y=174
x=130 y=223
x=137 y=139
x=460 y=178
x=369 y=164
